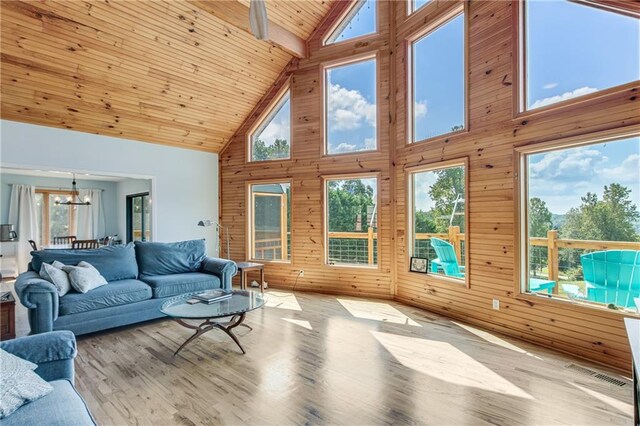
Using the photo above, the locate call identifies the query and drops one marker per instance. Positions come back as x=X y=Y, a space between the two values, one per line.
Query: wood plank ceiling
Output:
x=169 y=72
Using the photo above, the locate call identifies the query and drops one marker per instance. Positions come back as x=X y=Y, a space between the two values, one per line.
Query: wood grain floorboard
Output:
x=317 y=359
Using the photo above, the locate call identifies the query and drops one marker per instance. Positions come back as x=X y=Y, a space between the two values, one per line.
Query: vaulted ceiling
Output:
x=178 y=72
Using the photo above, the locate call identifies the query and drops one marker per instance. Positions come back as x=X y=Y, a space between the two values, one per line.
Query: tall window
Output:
x=581 y=223
x=438 y=81
x=352 y=221
x=438 y=219
x=350 y=109
x=55 y=220
x=573 y=49
x=138 y=217
x=271 y=139
x=270 y=221
x=360 y=20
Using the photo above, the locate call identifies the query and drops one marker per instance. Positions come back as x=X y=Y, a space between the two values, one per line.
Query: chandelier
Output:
x=74 y=198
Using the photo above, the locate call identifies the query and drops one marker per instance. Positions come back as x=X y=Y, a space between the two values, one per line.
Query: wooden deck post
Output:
x=454 y=239
x=370 y=245
x=552 y=257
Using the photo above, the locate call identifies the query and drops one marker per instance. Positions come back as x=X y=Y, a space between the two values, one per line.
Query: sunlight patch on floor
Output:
x=376 y=311
x=282 y=300
x=612 y=402
x=303 y=324
x=485 y=335
x=445 y=362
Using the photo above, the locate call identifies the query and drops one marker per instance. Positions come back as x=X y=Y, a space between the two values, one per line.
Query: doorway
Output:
x=138 y=217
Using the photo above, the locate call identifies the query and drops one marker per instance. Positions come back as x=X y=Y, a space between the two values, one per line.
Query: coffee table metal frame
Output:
x=208 y=325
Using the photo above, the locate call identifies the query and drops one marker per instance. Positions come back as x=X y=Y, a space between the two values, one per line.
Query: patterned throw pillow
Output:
x=18 y=383
x=54 y=274
x=84 y=277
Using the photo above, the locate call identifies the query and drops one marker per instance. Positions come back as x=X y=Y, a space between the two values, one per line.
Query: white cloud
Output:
x=566 y=95
x=627 y=172
x=348 y=109
x=550 y=86
x=420 y=109
x=344 y=147
x=278 y=128
x=569 y=165
x=369 y=143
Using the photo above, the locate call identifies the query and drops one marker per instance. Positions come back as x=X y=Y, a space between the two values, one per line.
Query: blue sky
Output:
x=561 y=177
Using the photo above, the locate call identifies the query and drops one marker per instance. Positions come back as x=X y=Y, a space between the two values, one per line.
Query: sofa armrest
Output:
x=223 y=268
x=54 y=353
x=41 y=298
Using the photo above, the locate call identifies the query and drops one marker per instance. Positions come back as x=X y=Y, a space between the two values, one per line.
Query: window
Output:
x=581 y=223
x=271 y=139
x=138 y=217
x=350 y=110
x=359 y=21
x=573 y=49
x=416 y=4
x=352 y=221
x=270 y=221
x=55 y=220
x=437 y=80
x=439 y=218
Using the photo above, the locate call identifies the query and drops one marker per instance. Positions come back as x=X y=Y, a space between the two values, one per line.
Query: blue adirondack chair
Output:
x=447 y=261
x=612 y=276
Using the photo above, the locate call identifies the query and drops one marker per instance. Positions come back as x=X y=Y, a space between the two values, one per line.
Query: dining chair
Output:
x=84 y=244
x=65 y=239
x=33 y=245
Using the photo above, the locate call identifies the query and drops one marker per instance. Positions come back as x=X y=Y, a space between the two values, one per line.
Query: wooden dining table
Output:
x=59 y=247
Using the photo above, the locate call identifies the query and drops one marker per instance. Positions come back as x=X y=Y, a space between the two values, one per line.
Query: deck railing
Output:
x=552 y=243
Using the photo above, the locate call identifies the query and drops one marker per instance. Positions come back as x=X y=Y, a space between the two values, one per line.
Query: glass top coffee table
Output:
x=236 y=307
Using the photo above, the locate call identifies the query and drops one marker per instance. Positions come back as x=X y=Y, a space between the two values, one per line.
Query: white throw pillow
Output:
x=54 y=274
x=84 y=277
x=18 y=383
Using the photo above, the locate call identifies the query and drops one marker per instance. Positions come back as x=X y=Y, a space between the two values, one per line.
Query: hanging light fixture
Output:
x=74 y=198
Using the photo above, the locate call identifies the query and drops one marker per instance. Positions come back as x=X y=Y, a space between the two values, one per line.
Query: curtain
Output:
x=23 y=214
x=90 y=219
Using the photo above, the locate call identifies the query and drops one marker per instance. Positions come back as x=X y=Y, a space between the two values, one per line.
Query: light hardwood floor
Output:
x=319 y=359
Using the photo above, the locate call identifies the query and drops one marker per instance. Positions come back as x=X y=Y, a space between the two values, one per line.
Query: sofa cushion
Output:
x=18 y=383
x=113 y=262
x=56 y=276
x=169 y=258
x=84 y=277
x=175 y=284
x=114 y=293
x=63 y=406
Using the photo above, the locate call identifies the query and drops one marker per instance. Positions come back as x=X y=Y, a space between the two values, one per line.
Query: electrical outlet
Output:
x=302 y=272
x=496 y=304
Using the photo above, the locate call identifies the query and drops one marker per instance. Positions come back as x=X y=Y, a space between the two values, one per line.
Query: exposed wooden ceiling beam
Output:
x=236 y=14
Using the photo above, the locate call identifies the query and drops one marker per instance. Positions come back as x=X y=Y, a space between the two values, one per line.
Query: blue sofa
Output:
x=140 y=277
x=54 y=354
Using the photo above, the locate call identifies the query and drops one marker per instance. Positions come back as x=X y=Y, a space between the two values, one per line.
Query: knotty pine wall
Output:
x=494 y=131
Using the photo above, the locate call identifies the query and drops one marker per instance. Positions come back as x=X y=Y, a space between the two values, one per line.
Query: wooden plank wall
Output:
x=493 y=133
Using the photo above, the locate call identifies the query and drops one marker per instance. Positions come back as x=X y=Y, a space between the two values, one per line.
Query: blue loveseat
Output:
x=140 y=277
x=53 y=353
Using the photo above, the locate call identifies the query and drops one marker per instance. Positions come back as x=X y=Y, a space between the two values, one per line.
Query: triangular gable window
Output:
x=360 y=20
x=271 y=139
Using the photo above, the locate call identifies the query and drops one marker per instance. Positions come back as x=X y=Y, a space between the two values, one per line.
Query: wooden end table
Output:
x=7 y=316
x=244 y=267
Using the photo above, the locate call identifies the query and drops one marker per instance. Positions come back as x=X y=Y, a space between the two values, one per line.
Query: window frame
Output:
x=46 y=213
x=249 y=228
x=439 y=165
x=454 y=11
x=520 y=67
x=347 y=15
x=521 y=197
x=410 y=10
x=325 y=219
x=324 y=122
x=268 y=114
x=129 y=216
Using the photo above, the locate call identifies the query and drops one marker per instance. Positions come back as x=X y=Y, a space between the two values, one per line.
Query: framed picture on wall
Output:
x=419 y=264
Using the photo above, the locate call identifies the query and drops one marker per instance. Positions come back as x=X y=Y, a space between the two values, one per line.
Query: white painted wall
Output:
x=184 y=182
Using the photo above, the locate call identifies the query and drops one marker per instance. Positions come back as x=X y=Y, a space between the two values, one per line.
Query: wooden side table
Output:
x=7 y=317
x=244 y=267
